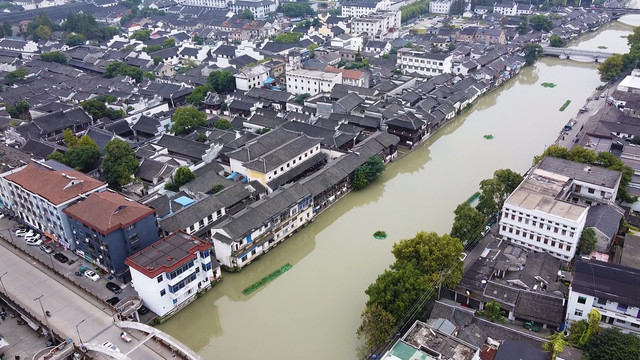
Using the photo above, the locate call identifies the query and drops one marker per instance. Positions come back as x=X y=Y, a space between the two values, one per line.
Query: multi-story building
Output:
x=611 y=289
x=260 y=9
x=424 y=63
x=440 y=6
x=170 y=273
x=357 y=8
x=220 y=4
x=378 y=25
x=107 y=228
x=277 y=157
x=311 y=82
x=39 y=192
x=251 y=77
x=548 y=210
x=508 y=8
x=351 y=77
x=256 y=229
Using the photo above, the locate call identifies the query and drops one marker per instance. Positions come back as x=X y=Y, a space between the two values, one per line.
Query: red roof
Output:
x=167 y=254
x=347 y=74
x=54 y=185
x=107 y=211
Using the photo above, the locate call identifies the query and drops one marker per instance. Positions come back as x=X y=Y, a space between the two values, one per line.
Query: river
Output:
x=312 y=311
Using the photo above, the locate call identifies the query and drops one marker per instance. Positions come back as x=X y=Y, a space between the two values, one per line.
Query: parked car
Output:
x=143 y=310
x=113 y=300
x=60 y=257
x=34 y=237
x=110 y=346
x=115 y=288
x=24 y=232
x=46 y=248
x=463 y=256
x=34 y=241
x=124 y=336
x=92 y=275
x=1 y=216
x=486 y=231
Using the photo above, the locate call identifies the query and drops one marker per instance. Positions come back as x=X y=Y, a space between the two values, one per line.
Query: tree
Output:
x=531 y=53
x=199 y=40
x=611 y=68
x=54 y=56
x=494 y=191
x=556 y=151
x=576 y=330
x=15 y=76
x=373 y=168
x=157 y=60
x=301 y=98
x=119 y=68
x=540 y=23
x=432 y=255
x=582 y=155
x=19 y=110
x=359 y=181
x=555 y=345
x=293 y=10
x=70 y=139
x=593 y=327
x=119 y=163
x=168 y=43
x=377 y=326
x=634 y=37
x=57 y=156
x=182 y=176
x=198 y=94
x=222 y=81
x=492 y=311
x=7 y=29
x=588 y=241
x=468 y=223
x=98 y=109
x=312 y=48
x=397 y=289
x=246 y=14
x=612 y=344
x=75 y=39
x=187 y=118
x=288 y=37
x=83 y=157
x=141 y=35
x=44 y=32
x=216 y=188
x=222 y=124
x=556 y=41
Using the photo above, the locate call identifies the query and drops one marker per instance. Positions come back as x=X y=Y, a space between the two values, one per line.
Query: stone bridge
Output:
x=152 y=332
x=577 y=54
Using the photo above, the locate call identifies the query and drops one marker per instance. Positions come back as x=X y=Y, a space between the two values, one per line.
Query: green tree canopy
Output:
x=468 y=223
x=222 y=124
x=141 y=35
x=119 y=163
x=376 y=328
x=98 y=109
x=82 y=155
x=555 y=345
x=373 y=168
x=532 y=52
x=246 y=14
x=222 y=81
x=87 y=26
x=612 y=344
x=198 y=94
x=54 y=56
x=19 y=110
x=588 y=241
x=432 y=255
x=75 y=39
x=540 y=23
x=359 y=180
x=187 y=118
x=413 y=10
x=119 y=68
x=182 y=176
x=44 y=32
x=293 y=10
x=168 y=43
x=397 y=289
x=288 y=37
x=611 y=68
x=556 y=41
x=494 y=191
x=15 y=76
x=492 y=311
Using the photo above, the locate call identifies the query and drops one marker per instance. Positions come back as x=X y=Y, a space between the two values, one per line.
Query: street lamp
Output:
x=44 y=314
x=4 y=290
x=78 y=331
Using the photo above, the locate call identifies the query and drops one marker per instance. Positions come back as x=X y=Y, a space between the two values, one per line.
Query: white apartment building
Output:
x=220 y=4
x=260 y=9
x=440 y=6
x=312 y=82
x=506 y=8
x=38 y=192
x=251 y=77
x=548 y=210
x=168 y=274
x=424 y=63
x=263 y=225
x=379 y=25
x=357 y=8
x=609 y=288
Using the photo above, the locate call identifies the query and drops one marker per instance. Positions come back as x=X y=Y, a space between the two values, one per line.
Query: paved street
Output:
x=25 y=283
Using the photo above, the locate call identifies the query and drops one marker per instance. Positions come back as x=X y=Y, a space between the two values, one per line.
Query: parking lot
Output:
x=67 y=269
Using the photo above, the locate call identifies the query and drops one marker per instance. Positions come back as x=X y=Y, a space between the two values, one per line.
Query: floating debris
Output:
x=548 y=85
x=603 y=47
x=488 y=137
x=380 y=235
x=564 y=106
x=267 y=279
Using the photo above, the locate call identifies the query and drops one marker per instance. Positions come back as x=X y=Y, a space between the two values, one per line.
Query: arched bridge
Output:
x=577 y=54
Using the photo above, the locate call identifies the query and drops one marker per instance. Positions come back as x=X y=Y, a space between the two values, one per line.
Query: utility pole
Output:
x=44 y=313
x=4 y=290
x=78 y=331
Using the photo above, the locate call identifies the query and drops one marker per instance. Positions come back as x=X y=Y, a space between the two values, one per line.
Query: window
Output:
x=620 y=321
x=163 y=292
x=622 y=307
x=160 y=278
x=578 y=313
x=582 y=300
x=602 y=301
x=591 y=191
x=130 y=227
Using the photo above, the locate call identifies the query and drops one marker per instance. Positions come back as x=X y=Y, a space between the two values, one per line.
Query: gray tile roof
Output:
x=590 y=174
x=606 y=219
x=609 y=281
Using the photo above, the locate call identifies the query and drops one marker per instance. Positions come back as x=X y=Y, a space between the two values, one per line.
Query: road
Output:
x=25 y=283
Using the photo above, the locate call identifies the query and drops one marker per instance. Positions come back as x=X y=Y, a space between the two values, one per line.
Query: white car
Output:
x=24 y=232
x=46 y=248
x=34 y=241
x=92 y=275
x=34 y=236
x=487 y=229
x=110 y=346
x=463 y=256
